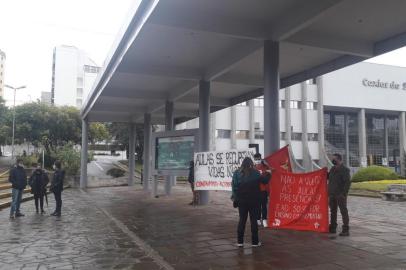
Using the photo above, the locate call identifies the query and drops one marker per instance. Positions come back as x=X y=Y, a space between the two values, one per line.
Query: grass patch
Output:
x=375 y=186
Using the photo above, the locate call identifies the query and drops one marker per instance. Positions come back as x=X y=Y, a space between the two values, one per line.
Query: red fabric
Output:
x=299 y=201
x=262 y=170
x=280 y=159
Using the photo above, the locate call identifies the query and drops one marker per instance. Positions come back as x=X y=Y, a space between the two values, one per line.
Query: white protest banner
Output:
x=214 y=170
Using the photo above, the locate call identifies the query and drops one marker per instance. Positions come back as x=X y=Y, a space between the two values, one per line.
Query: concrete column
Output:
x=323 y=159
x=347 y=140
x=233 y=112
x=251 y=117
x=386 y=139
x=362 y=138
x=213 y=132
x=169 y=180
x=83 y=156
x=271 y=97
x=131 y=155
x=204 y=128
x=402 y=141
x=288 y=116
x=307 y=160
x=146 y=171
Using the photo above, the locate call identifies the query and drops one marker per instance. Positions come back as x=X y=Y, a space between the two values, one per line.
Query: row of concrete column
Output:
x=271 y=125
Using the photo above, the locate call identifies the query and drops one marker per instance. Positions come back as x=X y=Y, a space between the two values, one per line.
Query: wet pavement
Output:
x=124 y=228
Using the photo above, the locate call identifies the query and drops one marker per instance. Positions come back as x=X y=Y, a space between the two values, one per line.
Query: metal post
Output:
x=347 y=140
x=14 y=120
x=131 y=156
x=204 y=128
x=251 y=110
x=402 y=141
x=233 y=112
x=362 y=138
x=386 y=140
x=271 y=97
x=168 y=127
x=147 y=151
x=83 y=156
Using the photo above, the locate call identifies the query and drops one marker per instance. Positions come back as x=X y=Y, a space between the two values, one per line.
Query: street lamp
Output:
x=14 y=115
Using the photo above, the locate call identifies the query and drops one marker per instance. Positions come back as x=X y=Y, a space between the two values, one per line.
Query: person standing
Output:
x=339 y=182
x=57 y=187
x=245 y=196
x=18 y=180
x=191 y=180
x=263 y=168
x=38 y=182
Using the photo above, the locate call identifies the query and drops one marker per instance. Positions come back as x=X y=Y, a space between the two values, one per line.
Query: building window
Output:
x=259 y=102
x=223 y=133
x=78 y=102
x=242 y=134
x=79 y=81
x=259 y=134
x=296 y=136
x=242 y=104
x=283 y=136
x=79 y=92
x=91 y=69
x=295 y=104
x=314 y=137
x=282 y=103
x=310 y=105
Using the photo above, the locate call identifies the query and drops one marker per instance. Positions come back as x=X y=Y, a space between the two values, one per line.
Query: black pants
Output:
x=338 y=202
x=58 y=200
x=244 y=210
x=263 y=207
x=40 y=198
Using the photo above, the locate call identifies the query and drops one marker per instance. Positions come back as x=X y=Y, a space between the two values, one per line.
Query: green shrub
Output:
x=70 y=159
x=116 y=172
x=28 y=161
x=372 y=173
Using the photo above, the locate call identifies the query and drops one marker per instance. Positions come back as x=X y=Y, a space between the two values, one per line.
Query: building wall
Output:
x=345 y=93
x=2 y=72
x=74 y=74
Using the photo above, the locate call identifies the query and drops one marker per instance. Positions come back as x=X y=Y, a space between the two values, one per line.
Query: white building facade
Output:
x=358 y=111
x=73 y=74
x=2 y=71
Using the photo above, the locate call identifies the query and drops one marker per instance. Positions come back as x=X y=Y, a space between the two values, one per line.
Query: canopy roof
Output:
x=166 y=47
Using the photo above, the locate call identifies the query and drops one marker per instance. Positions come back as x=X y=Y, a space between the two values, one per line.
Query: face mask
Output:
x=257 y=162
x=54 y=167
x=334 y=162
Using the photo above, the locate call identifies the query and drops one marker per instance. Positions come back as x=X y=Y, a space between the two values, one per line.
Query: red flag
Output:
x=280 y=159
x=299 y=201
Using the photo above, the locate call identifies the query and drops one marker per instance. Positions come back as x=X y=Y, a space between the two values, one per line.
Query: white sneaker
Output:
x=257 y=245
x=259 y=222
x=265 y=223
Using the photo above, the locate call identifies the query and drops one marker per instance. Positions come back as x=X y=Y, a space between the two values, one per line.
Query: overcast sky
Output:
x=30 y=29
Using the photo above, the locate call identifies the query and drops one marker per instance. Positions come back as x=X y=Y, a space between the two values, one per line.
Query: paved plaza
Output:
x=123 y=228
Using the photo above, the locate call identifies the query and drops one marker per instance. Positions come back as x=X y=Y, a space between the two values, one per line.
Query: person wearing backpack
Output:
x=38 y=183
x=246 y=195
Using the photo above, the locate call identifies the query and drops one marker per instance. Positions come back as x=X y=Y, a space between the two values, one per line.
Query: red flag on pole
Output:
x=280 y=159
x=299 y=201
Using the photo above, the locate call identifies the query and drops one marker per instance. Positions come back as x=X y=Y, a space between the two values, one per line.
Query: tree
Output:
x=98 y=132
x=5 y=131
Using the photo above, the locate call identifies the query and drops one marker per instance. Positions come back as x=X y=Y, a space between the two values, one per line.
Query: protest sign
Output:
x=299 y=201
x=214 y=170
x=280 y=159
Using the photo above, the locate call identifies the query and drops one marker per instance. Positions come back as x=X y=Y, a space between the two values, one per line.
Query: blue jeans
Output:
x=16 y=196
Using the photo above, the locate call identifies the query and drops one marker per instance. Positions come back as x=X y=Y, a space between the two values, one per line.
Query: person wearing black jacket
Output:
x=57 y=187
x=246 y=196
x=339 y=182
x=18 y=180
x=38 y=183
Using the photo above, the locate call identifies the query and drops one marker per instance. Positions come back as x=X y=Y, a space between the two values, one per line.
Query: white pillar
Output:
x=251 y=117
x=323 y=159
x=271 y=97
x=402 y=141
x=362 y=138
x=83 y=156
x=307 y=160
x=147 y=151
x=131 y=155
x=204 y=128
x=168 y=127
x=233 y=112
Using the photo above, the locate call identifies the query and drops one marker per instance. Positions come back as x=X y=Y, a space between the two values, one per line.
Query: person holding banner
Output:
x=245 y=196
x=339 y=182
x=263 y=168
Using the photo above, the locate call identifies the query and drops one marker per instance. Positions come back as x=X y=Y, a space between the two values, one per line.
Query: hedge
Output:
x=373 y=173
x=115 y=172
